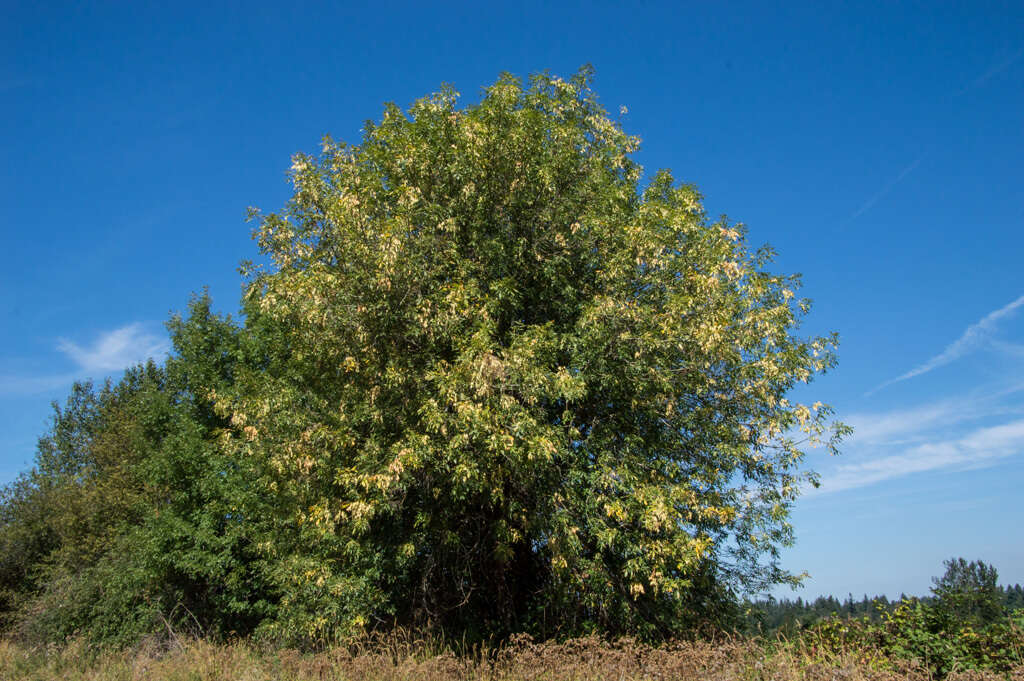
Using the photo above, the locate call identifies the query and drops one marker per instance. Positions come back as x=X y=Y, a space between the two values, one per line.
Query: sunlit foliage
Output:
x=489 y=379
x=507 y=386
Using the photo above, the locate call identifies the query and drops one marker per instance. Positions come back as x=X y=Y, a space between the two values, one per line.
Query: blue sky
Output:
x=880 y=151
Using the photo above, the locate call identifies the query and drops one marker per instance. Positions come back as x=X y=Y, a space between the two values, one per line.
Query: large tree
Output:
x=498 y=380
x=488 y=380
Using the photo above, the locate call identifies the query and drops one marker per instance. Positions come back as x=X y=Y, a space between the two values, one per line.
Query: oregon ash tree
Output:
x=488 y=381
x=513 y=389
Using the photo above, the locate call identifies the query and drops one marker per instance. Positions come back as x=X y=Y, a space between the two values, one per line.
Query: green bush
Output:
x=926 y=635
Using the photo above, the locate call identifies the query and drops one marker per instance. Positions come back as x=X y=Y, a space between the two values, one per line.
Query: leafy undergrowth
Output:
x=520 y=659
x=936 y=640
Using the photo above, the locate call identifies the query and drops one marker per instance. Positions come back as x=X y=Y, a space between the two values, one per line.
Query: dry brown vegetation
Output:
x=521 y=659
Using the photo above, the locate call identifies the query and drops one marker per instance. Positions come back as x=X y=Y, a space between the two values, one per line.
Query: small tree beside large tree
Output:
x=489 y=380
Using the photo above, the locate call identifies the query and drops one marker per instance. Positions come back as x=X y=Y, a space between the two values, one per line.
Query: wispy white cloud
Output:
x=111 y=351
x=994 y=70
x=972 y=338
x=1011 y=349
x=979 y=448
x=900 y=426
x=116 y=349
x=870 y=203
x=950 y=432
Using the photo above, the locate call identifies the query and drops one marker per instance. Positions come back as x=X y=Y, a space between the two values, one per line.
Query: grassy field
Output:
x=519 y=660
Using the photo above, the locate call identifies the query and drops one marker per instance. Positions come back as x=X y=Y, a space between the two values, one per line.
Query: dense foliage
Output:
x=969 y=592
x=487 y=381
x=126 y=522
x=925 y=634
x=969 y=623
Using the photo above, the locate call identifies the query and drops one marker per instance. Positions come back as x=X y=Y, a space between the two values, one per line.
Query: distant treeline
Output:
x=772 y=615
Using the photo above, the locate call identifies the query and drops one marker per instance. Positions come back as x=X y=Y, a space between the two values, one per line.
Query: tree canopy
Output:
x=489 y=378
x=969 y=591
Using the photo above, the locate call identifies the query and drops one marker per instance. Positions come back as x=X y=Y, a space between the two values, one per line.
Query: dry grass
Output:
x=406 y=659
